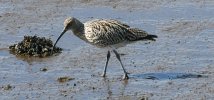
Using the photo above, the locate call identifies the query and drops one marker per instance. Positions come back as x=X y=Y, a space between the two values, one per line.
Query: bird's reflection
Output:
x=110 y=87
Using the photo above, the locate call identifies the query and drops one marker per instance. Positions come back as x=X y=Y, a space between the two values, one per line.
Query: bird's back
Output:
x=104 y=33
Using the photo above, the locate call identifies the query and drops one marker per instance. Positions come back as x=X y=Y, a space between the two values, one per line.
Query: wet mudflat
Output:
x=179 y=65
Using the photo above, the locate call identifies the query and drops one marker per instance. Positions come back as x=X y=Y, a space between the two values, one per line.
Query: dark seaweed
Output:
x=34 y=46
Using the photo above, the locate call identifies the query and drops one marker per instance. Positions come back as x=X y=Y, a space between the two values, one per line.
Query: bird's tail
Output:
x=140 y=35
x=150 y=37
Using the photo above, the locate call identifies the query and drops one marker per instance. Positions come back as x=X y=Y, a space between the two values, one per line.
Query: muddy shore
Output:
x=178 y=66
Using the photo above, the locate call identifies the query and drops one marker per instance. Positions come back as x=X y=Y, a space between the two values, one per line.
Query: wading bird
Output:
x=105 y=33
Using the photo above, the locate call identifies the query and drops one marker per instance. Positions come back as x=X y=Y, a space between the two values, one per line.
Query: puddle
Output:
x=169 y=76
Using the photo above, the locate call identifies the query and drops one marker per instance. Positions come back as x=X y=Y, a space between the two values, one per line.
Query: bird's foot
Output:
x=125 y=77
x=103 y=75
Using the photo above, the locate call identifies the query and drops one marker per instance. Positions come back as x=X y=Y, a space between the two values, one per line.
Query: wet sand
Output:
x=178 y=66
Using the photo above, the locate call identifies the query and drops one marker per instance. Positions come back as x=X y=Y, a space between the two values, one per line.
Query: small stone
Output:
x=43 y=69
x=75 y=84
x=64 y=79
x=7 y=87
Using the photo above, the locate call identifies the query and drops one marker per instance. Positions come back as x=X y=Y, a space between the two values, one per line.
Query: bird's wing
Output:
x=105 y=32
x=109 y=32
x=133 y=33
x=119 y=23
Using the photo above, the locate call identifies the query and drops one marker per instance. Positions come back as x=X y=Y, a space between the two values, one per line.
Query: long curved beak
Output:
x=63 y=32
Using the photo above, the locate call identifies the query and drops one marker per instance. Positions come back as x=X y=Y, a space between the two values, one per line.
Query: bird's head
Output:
x=70 y=23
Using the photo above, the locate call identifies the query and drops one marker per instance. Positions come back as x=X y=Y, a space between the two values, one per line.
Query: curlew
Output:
x=105 y=33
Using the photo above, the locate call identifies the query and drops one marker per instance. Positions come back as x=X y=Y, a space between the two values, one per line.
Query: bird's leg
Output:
x=118 y=57
x=108 y=57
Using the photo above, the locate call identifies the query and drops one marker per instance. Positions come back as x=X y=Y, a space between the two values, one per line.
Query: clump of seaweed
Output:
x=34 y=46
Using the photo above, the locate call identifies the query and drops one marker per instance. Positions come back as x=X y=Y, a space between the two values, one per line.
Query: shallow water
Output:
x=179 y=65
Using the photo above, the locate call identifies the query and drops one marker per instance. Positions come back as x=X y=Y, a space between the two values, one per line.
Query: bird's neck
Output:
x=78 y=28
x=79 y=32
